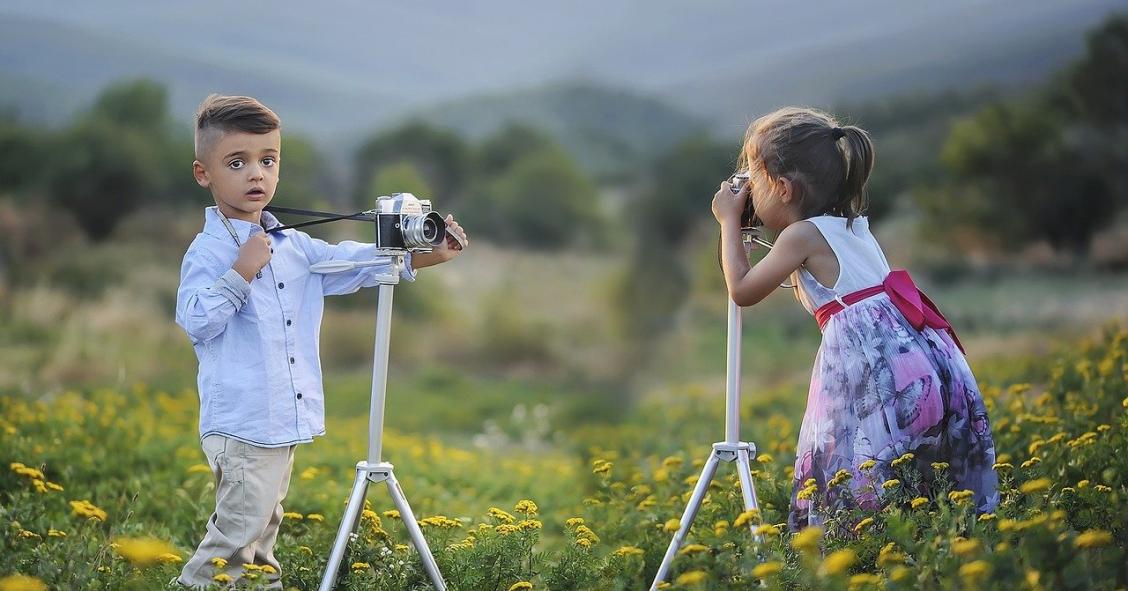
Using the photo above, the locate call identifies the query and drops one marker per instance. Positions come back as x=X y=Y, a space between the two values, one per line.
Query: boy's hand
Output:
x=446 y=251
x=253 y=256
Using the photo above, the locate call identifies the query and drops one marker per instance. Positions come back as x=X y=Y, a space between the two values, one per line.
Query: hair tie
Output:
x=837 y=133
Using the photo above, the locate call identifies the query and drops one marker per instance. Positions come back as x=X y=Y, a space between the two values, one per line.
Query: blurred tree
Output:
x=302 y=179
x=501 y=150
x=440 y=156
x=401 y=177
x=101 y=172
x=1047 y=166
x=541 y=201
x=676 y=200
x=22 y=153
x=136 y=104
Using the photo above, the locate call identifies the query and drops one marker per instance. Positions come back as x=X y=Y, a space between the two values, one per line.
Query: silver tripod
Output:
x=373 y=469
x=729 y=450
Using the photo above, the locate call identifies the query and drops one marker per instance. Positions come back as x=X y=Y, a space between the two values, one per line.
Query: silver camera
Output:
x=406 y=223
x=748 y=218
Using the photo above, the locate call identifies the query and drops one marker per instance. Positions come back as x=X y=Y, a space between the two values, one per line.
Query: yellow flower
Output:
x=671 y=526
x=266 y=568
x=222 y=578
x=863 y=524
x=583 y=542
x=765 y=458
x=889 y=555
x=807 y=540
x=867 y=465
x=693 y=549
x=744 y=518
x=392 y=514
x=629 y=551
x=900 y=574
x=21 y=583
x=501 y=515
x=526 y=506
x=1093 y=538
x=85 y=508
x=693 y=577
x=575 y=522
x=1082 y=483
x=940 y=466
x=767 y=569
x=143 y=551
x=315 y=517
x=1003 y=467
x=1035 y=486
x=601 y=467
x=861 y=580
x=292 y=515
x=838 y=562
x=918 y=502
x=960 y=496
x=904 y=459
x=54 y=533
x=672 y=462
x=521 y=586
x=360 y=566
x=767 y=530
x=169 y=558
x=890 y=484
x=987 y=517
x=975 y=570
x=218 y=562
x=199 y=469
x=965 y=547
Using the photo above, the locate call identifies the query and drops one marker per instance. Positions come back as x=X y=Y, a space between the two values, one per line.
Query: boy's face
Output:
x=241 y=170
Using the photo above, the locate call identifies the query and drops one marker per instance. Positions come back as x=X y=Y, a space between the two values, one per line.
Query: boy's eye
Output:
x=235 y=164
x=269 y=161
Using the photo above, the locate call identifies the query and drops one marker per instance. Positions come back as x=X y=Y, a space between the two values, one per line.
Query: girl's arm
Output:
x=748 y=284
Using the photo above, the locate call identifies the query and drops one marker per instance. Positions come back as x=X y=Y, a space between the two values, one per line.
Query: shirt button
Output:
x=288 y=322
x=281 y=285
x=299 y=395
x=291 y=361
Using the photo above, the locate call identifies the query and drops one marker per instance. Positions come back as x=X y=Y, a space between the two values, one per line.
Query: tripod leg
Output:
x=687 y=517
x=348 y=526
x=747 y=488
x=416 y=533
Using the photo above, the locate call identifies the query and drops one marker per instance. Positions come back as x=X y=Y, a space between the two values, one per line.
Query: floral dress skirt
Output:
x=880 y=389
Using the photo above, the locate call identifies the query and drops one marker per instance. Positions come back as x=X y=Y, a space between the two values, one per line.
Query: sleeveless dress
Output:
x=879 y=389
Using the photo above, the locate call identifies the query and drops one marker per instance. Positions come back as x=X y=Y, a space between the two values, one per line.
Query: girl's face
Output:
x=770 y=197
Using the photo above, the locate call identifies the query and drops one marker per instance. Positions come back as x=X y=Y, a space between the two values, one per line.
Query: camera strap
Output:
x=364 y=216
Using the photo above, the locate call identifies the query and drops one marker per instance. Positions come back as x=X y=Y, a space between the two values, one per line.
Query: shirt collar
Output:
x=213 y=224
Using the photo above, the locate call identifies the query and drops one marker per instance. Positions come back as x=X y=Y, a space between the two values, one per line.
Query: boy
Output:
x=253 y=310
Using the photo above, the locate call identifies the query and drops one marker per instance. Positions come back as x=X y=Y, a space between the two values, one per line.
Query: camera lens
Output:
x=423 y=231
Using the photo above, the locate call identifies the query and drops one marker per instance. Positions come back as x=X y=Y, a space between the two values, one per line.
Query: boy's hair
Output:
x=219 y=114
x=828 y=165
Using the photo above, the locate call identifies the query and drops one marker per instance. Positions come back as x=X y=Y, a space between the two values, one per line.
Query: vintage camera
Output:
x=406 y=223
x=748 y=218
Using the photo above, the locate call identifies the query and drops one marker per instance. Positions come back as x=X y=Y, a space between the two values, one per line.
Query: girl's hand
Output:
x=727 y=205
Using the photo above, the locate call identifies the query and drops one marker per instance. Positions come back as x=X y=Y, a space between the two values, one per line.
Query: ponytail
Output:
x=859 y=155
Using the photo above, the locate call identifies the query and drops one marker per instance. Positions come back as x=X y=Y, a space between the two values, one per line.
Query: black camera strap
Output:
x=363 y=216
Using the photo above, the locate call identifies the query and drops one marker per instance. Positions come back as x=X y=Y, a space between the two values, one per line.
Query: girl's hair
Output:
x=828 y=165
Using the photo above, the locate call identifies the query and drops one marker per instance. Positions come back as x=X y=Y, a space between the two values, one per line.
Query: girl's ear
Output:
x=200 y=174
x=786 y=190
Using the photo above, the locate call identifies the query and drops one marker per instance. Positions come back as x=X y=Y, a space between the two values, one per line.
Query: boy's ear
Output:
x=200 y=174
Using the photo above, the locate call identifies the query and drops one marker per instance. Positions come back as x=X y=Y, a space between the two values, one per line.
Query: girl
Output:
x=890 y=377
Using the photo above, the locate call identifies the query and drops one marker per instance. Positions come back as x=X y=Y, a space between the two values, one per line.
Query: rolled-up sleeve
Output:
x=347 y=250
x=210 y=294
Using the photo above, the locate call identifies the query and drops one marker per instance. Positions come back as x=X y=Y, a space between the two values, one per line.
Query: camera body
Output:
x=404 y=222
x=748 y=218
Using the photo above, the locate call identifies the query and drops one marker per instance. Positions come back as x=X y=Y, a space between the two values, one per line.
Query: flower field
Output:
x=108 y=490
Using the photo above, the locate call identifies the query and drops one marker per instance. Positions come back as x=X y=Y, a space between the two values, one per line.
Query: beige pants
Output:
x=250 y=483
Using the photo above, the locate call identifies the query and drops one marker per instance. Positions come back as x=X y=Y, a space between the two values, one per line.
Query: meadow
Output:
x=545 y=470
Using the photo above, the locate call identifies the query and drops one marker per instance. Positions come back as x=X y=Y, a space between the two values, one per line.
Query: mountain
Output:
x=339 y=68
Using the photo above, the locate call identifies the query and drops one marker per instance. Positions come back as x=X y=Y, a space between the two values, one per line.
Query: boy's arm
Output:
x=318 y=251
x=210 y=294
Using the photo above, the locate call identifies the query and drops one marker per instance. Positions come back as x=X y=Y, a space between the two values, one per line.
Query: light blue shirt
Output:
x=257 y=343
